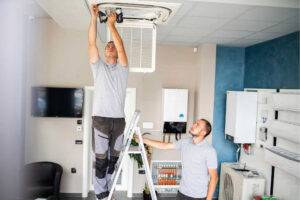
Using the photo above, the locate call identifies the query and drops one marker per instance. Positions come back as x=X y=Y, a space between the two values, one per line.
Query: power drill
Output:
x=103 y=16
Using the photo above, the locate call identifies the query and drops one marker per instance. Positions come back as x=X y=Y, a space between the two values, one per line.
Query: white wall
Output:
x=59 y=58
x=12 y=65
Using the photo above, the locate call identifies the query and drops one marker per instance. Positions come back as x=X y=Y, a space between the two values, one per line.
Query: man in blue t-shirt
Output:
x=199 y=162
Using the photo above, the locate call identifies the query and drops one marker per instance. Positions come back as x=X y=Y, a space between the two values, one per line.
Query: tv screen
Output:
x=57 y=102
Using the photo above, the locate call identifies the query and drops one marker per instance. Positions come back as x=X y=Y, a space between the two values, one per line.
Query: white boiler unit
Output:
x=241 y=111
x=175 y=110
x=175 y=105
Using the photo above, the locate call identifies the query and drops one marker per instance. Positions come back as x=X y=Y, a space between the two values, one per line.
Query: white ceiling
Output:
x=225 y=22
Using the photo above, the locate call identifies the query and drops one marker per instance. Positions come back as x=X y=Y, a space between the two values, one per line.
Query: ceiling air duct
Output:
x=138 y=28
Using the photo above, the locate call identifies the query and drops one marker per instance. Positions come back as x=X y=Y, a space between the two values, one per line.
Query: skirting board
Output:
x=75 y=195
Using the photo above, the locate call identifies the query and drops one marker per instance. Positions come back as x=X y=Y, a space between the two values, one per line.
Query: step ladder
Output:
x=132 y=128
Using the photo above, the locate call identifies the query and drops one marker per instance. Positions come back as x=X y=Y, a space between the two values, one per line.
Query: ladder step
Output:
x=134 y=150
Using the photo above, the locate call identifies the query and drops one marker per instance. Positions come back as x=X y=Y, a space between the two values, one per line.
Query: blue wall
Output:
x=229 y=76
x=273 y=64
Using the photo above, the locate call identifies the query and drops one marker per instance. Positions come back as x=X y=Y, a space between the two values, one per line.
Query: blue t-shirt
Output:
x=196 y=160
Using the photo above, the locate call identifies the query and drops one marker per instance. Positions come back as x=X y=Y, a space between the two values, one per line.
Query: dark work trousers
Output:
x=107 y=144
x=181 y=196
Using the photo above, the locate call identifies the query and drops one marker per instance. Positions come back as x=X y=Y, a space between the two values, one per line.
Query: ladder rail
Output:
x=118 y=167
x=146 y=164
x=132 y=124
x=129 y=134
x=124 y=151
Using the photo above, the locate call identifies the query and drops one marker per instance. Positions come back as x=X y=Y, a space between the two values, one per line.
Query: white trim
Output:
x=86 y=129
x=130 y=178
x=153 y=48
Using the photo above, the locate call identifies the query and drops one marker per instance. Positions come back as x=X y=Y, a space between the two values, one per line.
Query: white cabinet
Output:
x=241 y=110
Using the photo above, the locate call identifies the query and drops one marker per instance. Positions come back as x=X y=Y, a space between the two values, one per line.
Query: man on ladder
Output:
x=110 y=82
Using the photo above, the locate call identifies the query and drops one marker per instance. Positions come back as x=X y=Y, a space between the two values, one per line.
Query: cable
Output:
x=237 y=153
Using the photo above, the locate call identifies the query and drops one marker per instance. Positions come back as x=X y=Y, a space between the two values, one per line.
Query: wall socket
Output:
x=73 y=170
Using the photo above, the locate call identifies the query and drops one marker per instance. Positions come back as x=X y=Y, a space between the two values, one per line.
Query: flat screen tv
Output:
x=57 y=102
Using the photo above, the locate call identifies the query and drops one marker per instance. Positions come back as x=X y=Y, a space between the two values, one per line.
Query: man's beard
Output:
x=194 y=135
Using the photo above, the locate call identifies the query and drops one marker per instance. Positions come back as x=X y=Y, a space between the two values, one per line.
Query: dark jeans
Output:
x=181 y=196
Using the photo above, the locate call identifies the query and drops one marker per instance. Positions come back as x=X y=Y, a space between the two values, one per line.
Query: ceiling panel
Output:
x=163 y=29
x=76 y=17
x=185 y=8
x=175 y=19
x=176 y=38
x=269 y=14
x=160 y=37
x=243 y=43
x=217 y=10
x=231 y=34
x=248 y=25
x=292 y=20
x=262 y=36
x=202 y=22
x=282 y=28
x=178 y=43
x=189 y=32
x=216 y=40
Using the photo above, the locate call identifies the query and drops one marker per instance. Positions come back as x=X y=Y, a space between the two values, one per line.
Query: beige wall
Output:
x=205 y=83
x=175 y=68
x=58 y=57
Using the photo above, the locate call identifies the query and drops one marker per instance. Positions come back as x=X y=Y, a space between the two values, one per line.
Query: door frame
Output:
x=86 y=165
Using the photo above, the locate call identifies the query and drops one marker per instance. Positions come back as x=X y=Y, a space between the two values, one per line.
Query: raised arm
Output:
x=213 y=173
x=93 y=50
x=156 y=144
x=117 y=39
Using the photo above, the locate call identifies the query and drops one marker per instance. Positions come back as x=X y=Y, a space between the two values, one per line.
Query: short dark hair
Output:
x=207 y=127
x=109 y=42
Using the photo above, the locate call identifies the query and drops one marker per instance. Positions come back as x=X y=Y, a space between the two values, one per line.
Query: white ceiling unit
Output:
x=139 y=12
x=140 y=46
x=138 y=29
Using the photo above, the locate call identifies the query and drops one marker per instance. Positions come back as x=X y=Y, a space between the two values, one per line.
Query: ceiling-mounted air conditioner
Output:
x=138 y=28
x=141 y=12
